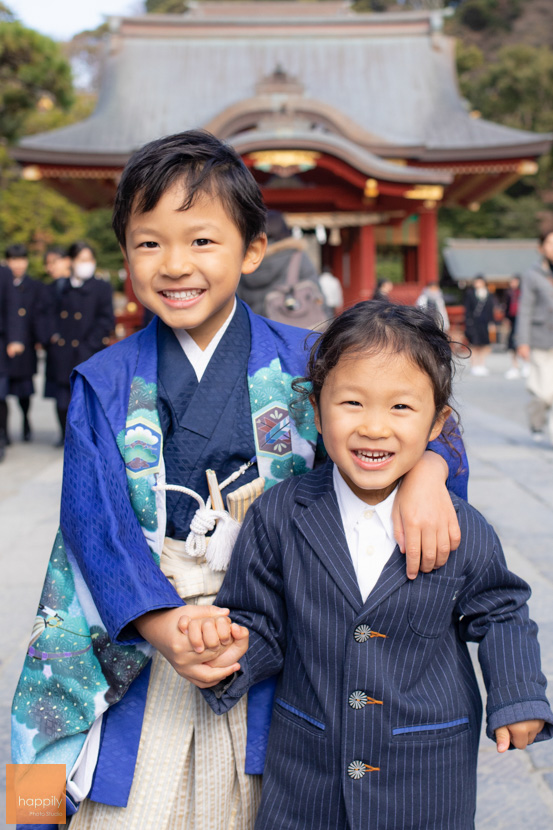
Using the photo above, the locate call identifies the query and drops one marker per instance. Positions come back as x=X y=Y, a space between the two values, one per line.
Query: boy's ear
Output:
x=123 y=251
x=316 y=413
x=439 y=423
x=254 y=254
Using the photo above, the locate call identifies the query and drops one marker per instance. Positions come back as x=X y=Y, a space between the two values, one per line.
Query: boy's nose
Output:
x=176 y=264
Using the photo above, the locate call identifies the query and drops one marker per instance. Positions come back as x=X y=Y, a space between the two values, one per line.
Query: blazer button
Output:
x=105 y=341
x=358 y=700
x=77 y=315
x=362 y=633
x=74 y=343
x=357 y=769
x=61 y=342
x=22 y=312
x=64 y=314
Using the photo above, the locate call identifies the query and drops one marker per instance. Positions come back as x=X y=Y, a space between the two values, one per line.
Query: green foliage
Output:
x=100 y=235
x=166 y=6
x=42 y=119
x=35 y=215
x=515 y=89
x=31 y=66
x=488 y=14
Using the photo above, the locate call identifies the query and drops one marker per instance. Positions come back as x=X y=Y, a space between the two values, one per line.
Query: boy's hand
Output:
x=161 y=629
x=204 y=634
x=424 y=517
x=520 y=734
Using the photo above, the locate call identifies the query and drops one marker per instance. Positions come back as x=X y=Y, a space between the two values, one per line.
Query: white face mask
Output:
x=84 y=270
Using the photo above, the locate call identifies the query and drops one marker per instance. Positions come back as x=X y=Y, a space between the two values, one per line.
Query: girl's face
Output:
x=376 y=415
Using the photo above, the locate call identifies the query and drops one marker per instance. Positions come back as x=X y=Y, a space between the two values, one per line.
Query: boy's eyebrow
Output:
x=201 y=226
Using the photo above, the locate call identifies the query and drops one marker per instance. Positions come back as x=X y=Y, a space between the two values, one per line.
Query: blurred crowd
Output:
x=69 y=317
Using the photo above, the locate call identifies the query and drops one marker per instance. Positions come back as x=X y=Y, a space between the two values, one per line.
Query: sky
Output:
x=61 y=19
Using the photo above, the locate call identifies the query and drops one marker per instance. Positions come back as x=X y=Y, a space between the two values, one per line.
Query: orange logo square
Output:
x=35 y=794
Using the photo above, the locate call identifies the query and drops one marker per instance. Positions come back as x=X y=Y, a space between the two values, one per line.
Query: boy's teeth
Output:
x=373 y=455
x=182 y=295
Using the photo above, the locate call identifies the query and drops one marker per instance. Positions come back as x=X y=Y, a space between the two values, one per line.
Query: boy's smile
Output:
x=186 y=264
x=376 y=416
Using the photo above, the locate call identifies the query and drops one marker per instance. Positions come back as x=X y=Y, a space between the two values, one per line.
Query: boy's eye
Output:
x=201 y=243
x=148 y=244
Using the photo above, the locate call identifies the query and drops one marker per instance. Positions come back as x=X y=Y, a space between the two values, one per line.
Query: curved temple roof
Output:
x=384 y=83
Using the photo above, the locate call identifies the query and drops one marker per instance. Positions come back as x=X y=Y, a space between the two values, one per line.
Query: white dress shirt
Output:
x=369 y=533
x=200 y=358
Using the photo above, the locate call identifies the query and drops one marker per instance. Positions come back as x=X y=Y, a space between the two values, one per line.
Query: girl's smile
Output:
x=376 y=414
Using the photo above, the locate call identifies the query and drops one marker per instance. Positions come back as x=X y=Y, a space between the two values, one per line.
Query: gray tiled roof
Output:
x=492 y=258
x=397 y=87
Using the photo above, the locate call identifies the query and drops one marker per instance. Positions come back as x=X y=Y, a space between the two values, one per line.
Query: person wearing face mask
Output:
x=478 y=316
x=535 y=336
x=83 y=322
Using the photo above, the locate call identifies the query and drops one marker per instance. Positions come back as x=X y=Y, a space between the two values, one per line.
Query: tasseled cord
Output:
x=219 y=550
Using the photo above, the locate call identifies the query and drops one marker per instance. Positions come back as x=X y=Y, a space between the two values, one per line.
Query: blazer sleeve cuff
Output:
x=524 y=710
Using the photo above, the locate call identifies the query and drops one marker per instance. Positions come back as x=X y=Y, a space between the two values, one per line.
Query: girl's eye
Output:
x=201 y=243
x=352 y=403
x=401 y=406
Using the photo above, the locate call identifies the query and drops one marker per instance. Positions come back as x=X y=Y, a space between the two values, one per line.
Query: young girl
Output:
x=377 y=712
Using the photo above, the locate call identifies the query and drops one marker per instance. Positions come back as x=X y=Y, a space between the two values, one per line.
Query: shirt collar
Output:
x=352 y=508
x=199 y=358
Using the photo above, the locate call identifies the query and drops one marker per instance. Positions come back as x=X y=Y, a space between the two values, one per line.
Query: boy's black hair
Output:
x=16 y=251
x=55 y=249
x=375 y=326
x=78 y=247
x=205 y=165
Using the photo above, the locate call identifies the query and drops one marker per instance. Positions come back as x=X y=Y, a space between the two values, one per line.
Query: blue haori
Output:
x=103 y=571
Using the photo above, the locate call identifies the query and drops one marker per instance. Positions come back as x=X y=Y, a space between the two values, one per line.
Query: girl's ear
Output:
x=316 y=413
x=439 y=423
x=254 y=254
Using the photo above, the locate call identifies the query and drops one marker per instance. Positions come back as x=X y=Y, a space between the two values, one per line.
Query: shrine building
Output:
x=351 y=123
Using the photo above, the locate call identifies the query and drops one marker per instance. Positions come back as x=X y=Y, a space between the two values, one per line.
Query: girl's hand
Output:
x=425 y=523
x=207 y=633
x=520 y=734
x=161 y=629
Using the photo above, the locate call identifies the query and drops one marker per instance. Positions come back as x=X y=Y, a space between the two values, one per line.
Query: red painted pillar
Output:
x=427 y=259
x=410 y=263
x=363 y=266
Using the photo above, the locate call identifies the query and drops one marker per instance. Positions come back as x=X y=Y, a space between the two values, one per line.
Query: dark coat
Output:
x=83 y=322
x=478 y=316
x=11 y=324
x=29 y=297
x=377 y=709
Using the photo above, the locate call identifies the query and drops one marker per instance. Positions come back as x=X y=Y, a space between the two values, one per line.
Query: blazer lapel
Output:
x=321 y=526
x=393 y=576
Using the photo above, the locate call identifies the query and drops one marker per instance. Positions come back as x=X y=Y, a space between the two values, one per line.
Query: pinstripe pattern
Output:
x=292 y=576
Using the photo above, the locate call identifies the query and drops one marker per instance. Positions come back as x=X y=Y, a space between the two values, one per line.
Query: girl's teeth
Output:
x=182 y=295
x=373 y=456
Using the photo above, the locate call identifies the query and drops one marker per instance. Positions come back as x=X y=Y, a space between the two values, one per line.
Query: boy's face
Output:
x=185 y=265
x=18 y=266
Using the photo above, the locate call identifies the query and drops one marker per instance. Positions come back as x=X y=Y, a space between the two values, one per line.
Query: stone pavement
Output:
x=511 y=482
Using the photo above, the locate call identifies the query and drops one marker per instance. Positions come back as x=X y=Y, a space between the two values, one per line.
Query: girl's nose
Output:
x=375 y=428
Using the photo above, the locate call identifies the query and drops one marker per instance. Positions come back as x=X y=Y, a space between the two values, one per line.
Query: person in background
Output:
x=535 y=335
x=478 y=316
x=512 y=299
x=57 y=265
x=432 y=300
x=383 y=290
x=82 y=323
x=332 y=291
x=273 y=271
x=11 y=335
x=22 y=363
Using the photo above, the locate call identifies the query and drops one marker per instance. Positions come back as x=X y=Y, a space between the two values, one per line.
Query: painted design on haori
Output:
x=272 y=431
x=142 y=447
x=49 y=618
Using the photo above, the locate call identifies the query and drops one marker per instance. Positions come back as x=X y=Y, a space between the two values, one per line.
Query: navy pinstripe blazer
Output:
x=377 y=711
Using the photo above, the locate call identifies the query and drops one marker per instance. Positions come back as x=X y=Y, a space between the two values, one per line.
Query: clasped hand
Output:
x=520 y=734
x=200 y=641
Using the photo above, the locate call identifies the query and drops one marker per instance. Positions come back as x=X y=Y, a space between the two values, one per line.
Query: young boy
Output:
x=206 y=385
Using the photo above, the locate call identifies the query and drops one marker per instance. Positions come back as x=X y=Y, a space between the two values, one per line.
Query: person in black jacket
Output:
x=11 y=334
x=83 y=322
x=22 y=363
x=479 y=307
